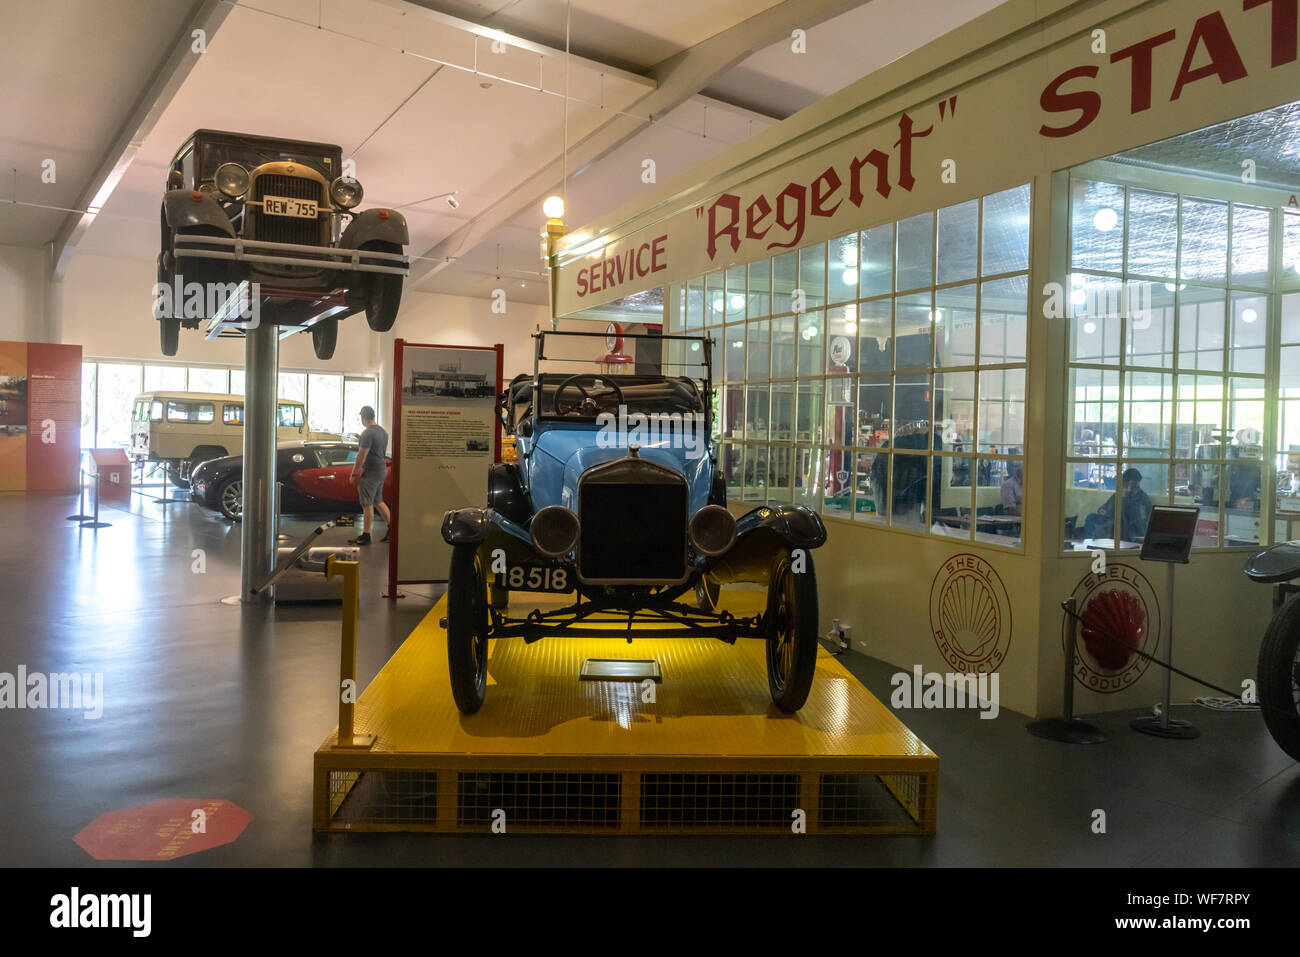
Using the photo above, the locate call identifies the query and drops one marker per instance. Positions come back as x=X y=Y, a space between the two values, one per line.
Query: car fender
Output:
x=492 y=531
x=182 y=211
x=763 y=533
x=370 y=226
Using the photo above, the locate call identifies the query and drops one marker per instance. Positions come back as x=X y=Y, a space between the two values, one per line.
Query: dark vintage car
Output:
x=614 y=502
x=1278 y=670
x=273 y=224
x=313 y=477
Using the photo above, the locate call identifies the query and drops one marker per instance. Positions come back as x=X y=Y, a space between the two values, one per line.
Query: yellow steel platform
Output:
x=551 y=752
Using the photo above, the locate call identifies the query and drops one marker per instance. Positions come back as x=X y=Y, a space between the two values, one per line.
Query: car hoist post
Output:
x=347 y=688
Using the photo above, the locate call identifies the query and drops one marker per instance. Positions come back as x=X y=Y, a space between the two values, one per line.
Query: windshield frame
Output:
x=325 y=159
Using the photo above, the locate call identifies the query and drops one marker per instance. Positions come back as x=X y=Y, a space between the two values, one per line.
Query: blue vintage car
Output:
x=616 y=500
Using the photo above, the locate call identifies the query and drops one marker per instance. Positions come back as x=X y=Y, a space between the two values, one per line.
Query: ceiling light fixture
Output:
x=553 y=207
x=1249 y=315
x=1106 y=219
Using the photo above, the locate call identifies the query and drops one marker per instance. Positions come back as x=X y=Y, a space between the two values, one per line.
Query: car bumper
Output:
x=259 y=252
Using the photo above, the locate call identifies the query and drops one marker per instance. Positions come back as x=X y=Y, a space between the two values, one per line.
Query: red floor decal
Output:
x=163 y=830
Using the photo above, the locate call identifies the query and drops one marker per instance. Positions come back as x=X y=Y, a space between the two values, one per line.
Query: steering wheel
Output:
x=573 y=382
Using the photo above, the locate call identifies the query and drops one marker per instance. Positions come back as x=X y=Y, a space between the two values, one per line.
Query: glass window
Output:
x=1006 y=231
x=1003 y=319
x=785 y=278
x=954 y=326
x=842 y=275
x=811 y=340
x=908 y=488
x=783 y=348
x=357 y=394
x=870 y=487
x=236 y=381
x=1150 y=334
x=232 y=413
x=199 y=412
x=1096 y=226
x=203 y=379
x=954 y=410
x=735 y=291
x=1002 y=411
x=1152 y=233
x=959 y=239
x=337 y=455
x=1204 y=240
x=1250 y=245
x=88 y=394
x=694 y=318
x=290 y=415
x=1096 y=308
x=812 y=275
x=715 y=299
x=118 y=383
x=164 y=378
x=759 y=289
x=876 y=261
x=156 y=410
x=293 y=385
x=1248 y=332
x=1200 y=328
x=756 y=351
x=325 y=402
x=915 y=252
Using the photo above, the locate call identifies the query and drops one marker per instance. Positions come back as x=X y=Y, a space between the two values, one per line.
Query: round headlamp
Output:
x=713 y=529
x=346 y=192
x=554 y=530
x=232 y=180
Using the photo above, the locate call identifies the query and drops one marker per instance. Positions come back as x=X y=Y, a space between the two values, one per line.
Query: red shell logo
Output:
x=1120 y=616
x=1115 y=625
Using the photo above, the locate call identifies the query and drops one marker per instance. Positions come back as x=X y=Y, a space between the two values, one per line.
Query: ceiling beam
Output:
x=175 y=66
x=677 y=79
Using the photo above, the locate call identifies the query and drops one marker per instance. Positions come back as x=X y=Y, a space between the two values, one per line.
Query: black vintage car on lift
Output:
x=313 y=477
x=253 y=217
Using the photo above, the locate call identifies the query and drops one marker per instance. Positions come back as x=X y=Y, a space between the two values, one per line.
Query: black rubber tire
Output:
x=791 y=633
x=1278 y=675
x=467 y=627
x=169 y=334
x=383 y=292
x=707 y=593
x=173 y=467
x=324 y=337
x=223 y=507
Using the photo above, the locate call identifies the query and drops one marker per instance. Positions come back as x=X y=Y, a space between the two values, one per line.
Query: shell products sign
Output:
x=1089 y=89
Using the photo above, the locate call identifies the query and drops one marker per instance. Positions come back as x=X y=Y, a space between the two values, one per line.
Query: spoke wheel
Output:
x=1279 y=678
x=791 y=633
x=467 y=628
x=230 y=499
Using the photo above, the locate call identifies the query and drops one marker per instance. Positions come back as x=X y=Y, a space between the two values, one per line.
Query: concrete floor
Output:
x=210 y=700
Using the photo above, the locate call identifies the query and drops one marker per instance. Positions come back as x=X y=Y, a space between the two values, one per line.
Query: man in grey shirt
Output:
x=368 y=474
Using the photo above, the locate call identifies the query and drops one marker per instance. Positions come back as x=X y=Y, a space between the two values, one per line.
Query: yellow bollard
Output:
x=349 y=572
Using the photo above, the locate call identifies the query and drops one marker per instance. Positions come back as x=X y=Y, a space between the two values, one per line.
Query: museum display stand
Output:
x=701 y=751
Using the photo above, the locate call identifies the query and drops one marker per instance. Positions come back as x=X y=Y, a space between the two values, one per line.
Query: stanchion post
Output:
x=347 y=736
x=96 y=523
x=81 y=515
x=1066 y=728
x=1165 y=726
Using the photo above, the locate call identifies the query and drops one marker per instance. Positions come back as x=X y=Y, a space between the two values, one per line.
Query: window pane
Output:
x=232 y=414
x=730 y=464
x=954 y=410
x=837 y=488
x=1246 y=418
x=874 y=335
x=808 y=413
x=236 y=381
x=915 y=252
x=780 y=471
x=783 y=347
x=785 y=277
x=293 y=385
x=754 y=488
x=1248 y=331
x=1094 y=417
x=911 y=426
x=201 y=412
x=733 y=411
x=208 y=380
x=875 y=417
x=1006 y=231
x=733 y=360
x=870 y=487
x=694 y=318
x=958 y=241
x=325 y=407
x=1205 y=240
x=759 y=288
x=842 y=274
x=1200 y=328
x=812 y=275
x=954 y=326
x=812 y=337
x=88 y=429
x=715 y=300
x=1148 y=412
x=1250 y=245
x=358 y=393
x=912 y=345
x=876 y=260
x=1095 y=307
x=756 y=410
x=781 y=420
x=1002 y=411
x=1150 y=308
x=841 y=336
x=1096 y=226
x=809 y=474
x=1200 y=417
x=735 y=294
x=756 y=351
x=1152 y=233
x=118 y=385
x=1290 y=247
x=908 y=490
x=164 y=379
x=1003 y=304
x=951 y=505
x=840 y=419
x=999 y=523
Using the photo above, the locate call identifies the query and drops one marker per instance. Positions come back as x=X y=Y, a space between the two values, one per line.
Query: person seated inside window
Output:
x=1135 y=512
x=1012 y=490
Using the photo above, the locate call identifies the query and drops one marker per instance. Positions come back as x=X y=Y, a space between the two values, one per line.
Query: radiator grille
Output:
x=288 y=229
x=632 y=532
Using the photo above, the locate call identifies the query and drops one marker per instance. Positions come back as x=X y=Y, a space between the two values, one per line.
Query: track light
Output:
x=453 y=202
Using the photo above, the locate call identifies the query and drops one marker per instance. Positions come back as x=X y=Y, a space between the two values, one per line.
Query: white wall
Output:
x=22 y=294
